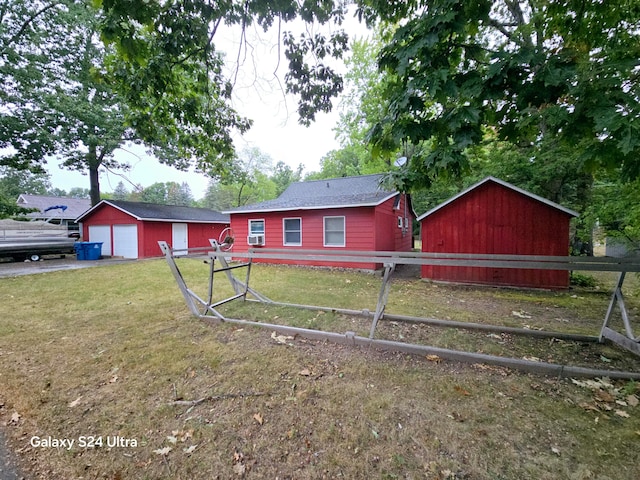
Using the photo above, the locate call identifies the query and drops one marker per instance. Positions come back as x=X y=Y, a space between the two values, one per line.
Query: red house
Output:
x=339 y=214
x=133 y=229
x=495 y=217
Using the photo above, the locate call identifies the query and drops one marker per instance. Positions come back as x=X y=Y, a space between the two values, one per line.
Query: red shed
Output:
x=133 y=229
x=495 y=217
x=350 y=213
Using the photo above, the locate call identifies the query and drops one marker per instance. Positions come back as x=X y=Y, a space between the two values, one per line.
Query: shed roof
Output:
x=162 y=213
x=504 y=184
x=49 y=207
x=361 y=191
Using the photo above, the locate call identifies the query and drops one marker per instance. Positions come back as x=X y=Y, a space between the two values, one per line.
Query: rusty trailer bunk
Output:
x=206 y=309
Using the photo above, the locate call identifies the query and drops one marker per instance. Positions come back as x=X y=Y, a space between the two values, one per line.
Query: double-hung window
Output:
x=334 y=232
x=292 y=231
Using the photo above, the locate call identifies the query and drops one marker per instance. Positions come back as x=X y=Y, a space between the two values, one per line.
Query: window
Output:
x=292 y=231
x=334 y=232
x=256 y=227
x=400 y=224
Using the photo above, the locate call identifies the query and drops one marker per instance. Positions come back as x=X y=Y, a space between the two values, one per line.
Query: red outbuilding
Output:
x=338 y=214
x=133 y=229
x=495 y=217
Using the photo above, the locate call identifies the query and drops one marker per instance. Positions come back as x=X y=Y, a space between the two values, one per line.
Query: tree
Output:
x=120 y=192
x=79 y=192
x=179 y=194
x=58 y=102
x=251 y=182
x=614 y=207
x=283 y=176
x=14 y=182
x=168 y=67
x=57 y=192
x=62 y=98
x=167 y=193
x=540 y=74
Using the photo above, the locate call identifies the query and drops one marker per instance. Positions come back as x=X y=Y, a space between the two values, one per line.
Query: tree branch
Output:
x=26 y=24
x=214 y=398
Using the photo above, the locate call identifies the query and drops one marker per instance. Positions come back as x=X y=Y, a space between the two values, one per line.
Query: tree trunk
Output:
x=94 y=180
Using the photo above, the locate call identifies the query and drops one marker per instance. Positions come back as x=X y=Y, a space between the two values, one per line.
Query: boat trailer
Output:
x=207 y=310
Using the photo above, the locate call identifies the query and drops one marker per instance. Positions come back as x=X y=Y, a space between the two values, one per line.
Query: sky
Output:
x=259 y=96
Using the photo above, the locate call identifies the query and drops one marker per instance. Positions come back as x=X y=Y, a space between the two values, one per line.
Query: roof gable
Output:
x=506 y=185
x=162 y=213
x=360 y=191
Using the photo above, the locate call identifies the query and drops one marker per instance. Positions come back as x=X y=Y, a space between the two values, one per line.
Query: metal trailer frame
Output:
x=206 y=309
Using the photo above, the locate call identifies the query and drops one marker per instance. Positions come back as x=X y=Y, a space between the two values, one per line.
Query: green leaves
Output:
x=530 y=70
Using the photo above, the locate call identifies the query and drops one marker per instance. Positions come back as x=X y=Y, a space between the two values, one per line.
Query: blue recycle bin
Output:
x=88 y=250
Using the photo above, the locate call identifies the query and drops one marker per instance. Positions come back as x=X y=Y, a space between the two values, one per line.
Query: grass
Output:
x=112 y=351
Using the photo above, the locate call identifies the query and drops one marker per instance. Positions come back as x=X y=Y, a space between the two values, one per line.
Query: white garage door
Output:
x=125 y=241
x=101 y=233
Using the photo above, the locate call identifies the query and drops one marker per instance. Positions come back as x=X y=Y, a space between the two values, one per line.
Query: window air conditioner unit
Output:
x=255 y=239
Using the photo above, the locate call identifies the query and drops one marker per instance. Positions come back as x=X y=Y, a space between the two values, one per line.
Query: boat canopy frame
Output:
x=206 y=309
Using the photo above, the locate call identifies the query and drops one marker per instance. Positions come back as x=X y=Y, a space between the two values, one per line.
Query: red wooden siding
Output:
x=366 y=229
x=150 y=232
x=493 y=219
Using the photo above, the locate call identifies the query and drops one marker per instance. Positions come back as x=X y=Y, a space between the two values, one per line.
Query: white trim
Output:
x=284 y=232
x=504 y=184
x=344 y=231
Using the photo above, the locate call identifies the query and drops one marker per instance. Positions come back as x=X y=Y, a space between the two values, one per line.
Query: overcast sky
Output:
x=257 y=95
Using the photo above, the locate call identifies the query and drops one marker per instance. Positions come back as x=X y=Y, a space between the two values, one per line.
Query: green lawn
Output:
x=112 y=354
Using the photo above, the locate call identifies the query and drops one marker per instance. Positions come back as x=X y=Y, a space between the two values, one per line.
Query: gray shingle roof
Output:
x=164 y=213
x=359 y=191
x=74 y=206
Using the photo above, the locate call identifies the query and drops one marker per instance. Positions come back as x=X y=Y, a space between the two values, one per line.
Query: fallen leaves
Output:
x=15 y=418
x=461 y=390
x=177 y=436
x=607 y=397
x=434 y=358
x=281 y=339
x=163 y=451
x=258 y=418
x=190 y=449
x=239 y=465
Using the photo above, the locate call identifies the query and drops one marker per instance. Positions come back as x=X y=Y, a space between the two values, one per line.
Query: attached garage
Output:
x=495 y=217
x=133 y=229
